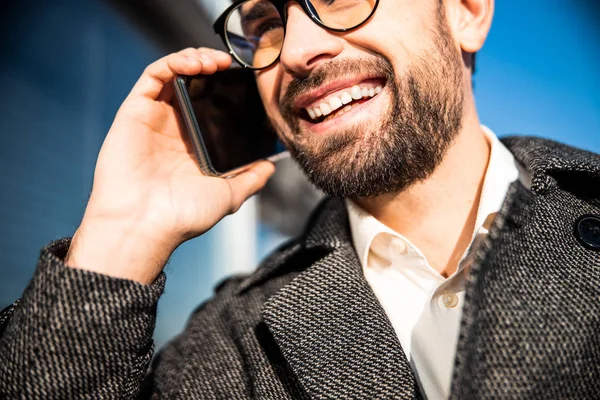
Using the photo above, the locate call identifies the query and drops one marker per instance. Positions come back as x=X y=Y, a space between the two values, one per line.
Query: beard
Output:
x=405 y=146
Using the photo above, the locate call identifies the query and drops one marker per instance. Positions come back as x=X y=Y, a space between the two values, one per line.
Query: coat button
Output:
x=587 y=231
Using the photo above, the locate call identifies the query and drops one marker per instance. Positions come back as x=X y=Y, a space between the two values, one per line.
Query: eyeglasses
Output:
x=254 y=30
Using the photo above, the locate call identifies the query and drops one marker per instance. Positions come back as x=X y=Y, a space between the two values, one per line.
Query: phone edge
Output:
x=186 y=109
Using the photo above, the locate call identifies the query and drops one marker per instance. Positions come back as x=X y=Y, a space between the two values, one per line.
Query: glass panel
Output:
x=343 y=14
x=255 y=33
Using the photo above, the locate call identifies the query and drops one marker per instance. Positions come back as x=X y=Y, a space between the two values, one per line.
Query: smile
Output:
x=337 y=98
x=342 y=101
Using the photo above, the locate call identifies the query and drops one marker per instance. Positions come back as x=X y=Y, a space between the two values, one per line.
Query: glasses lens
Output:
x=342 y=14
x=254 y=31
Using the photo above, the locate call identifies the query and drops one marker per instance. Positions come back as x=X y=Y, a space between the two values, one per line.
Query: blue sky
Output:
x=538 y=73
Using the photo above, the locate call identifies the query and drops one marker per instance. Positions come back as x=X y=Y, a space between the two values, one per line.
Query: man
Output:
x=445 y=264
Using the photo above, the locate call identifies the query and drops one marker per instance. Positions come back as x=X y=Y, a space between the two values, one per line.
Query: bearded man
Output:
x=444 y=264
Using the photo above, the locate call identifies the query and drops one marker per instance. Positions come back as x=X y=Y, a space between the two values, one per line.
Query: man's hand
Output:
x=149 y=195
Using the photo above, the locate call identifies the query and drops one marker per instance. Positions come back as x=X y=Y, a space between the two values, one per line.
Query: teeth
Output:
x=335 y=102
x=325 y=108
x=346 y=98
x=356 y=93
x=345 y=109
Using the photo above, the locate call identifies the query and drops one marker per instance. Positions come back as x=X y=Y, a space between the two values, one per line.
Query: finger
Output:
x=209 y=63
x=249 y=182
x=220 y=56
x=209 y=66
x=161 y=72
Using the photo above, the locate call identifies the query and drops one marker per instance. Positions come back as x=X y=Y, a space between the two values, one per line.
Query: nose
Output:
x=306 y=44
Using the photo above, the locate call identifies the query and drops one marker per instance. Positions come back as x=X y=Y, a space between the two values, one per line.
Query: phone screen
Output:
x=232 y=123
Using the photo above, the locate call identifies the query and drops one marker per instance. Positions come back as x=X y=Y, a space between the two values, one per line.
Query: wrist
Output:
x=126 y=251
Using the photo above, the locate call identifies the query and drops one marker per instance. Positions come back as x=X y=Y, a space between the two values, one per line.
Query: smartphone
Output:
x=226 y=121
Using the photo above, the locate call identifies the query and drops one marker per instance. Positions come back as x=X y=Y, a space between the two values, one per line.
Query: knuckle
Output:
x=219 y=52
x=148 y=69
x=171 y=58
x=234 y=205
x=172 y=62
x=169 y=62
x=153 y=67
x=187 y=52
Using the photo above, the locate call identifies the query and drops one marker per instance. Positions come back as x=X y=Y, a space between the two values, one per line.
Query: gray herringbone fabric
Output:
x=531 y=322
x=77 y=334
x=307 y=325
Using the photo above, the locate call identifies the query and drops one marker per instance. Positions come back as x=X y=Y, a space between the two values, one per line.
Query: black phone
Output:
x=226 y=121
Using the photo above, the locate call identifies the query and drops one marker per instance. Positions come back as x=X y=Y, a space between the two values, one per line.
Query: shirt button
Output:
x=449 y=299
x=398 y=246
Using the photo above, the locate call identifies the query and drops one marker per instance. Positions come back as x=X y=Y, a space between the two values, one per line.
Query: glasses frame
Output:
x=220 y=25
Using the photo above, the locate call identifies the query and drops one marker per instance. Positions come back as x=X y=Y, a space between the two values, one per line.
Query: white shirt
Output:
x=423 y=306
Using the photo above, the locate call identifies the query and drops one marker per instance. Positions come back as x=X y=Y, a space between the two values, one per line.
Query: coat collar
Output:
x=328 y=229
x=548 y=161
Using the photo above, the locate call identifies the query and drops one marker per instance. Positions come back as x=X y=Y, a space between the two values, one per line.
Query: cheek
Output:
x=269 y=87
x=402 y=30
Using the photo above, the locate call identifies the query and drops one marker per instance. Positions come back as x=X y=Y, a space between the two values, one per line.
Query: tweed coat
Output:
x=307 y=325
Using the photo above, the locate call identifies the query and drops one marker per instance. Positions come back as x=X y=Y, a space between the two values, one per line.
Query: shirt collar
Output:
x=501 y=172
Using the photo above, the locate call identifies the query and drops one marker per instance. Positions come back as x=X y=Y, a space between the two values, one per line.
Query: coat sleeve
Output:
x=76 y=334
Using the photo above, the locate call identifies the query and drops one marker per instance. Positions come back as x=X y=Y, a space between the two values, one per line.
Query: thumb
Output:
x=247 y=183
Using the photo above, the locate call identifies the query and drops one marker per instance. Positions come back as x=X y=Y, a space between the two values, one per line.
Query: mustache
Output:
x=329 y=71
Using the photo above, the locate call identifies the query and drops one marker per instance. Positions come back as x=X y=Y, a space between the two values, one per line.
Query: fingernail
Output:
x=204 y=57
x=194 y=60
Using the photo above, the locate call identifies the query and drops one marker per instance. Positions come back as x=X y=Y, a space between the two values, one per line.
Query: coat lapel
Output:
x=330 y=327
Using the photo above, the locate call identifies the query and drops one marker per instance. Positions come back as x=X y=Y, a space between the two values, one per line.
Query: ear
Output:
x=471 y=21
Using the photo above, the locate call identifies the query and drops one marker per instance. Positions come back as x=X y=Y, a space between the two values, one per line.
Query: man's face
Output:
x=392 y=91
